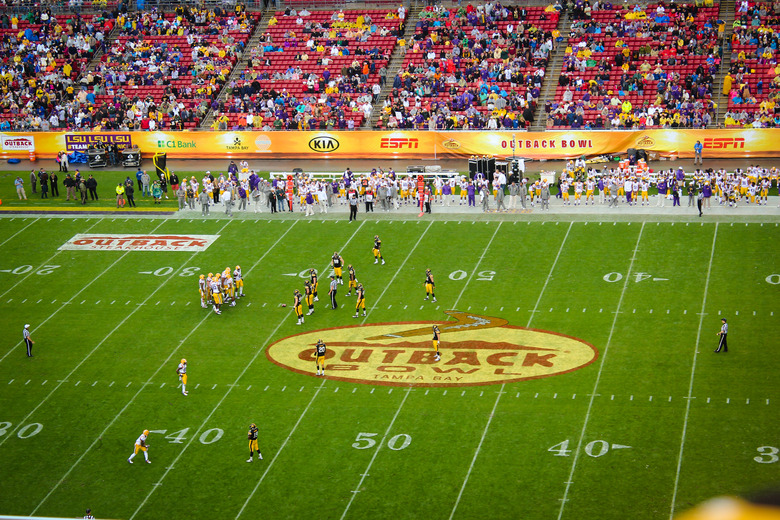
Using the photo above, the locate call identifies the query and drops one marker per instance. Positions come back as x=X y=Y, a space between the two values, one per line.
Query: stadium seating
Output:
x=472 y=67
x=40 y=68
x=753 y=82
x=313 y=70
x=639 y=68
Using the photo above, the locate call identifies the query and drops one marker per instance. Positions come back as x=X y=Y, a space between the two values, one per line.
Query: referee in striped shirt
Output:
x=724 y=331
x=332 y=292
x=28 y=339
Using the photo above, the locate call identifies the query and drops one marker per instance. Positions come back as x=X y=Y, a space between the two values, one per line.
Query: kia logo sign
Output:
x=324 y=144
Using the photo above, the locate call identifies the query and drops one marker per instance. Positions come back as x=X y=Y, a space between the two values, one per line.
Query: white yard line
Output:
x=45 y=262
x=598 y=376
x=476 y=453
x=455 y=305
x=105 y=338
x=276 y=455
x=501 y=391
x=64 y=304
x=25 y=227
x=376 y=452
x=164 y=364
x=549 y=276
x=388 y=285
x=693 y=373
x=262 y=477
x=230 y=389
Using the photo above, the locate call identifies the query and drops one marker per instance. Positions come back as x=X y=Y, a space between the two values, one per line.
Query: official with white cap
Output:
x=28 y=339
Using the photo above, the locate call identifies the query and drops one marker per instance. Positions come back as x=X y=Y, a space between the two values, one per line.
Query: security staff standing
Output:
x=724 y=331
x=332 y=292
x=28 y=340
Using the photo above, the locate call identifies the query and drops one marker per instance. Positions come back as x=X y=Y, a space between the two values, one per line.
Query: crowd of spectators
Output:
x=313 y=70
x=43 y=56
x=638 y=67
x=472 y=67
x=753 y=81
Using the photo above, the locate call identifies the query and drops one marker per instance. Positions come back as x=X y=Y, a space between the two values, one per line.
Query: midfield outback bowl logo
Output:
x=475 y=350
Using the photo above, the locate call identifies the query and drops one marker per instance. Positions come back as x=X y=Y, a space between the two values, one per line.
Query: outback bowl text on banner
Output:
x=405 y=144
x=118 y=242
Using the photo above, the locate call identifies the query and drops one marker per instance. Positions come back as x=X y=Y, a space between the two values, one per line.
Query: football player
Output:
x=309 y=296
x=252 y=436
x=376 y=251
x=429 y=285
x=337 y=263
x=361 y=300
x=181 y=370
x=239 y=281
x=210 y=300
x=230 y=289
x=141 y=445
x=319 y=356
x=297 y=306
x=203 y=289
x=314 y=283
x=216 y=294
x=436 y=334
x=352 y=283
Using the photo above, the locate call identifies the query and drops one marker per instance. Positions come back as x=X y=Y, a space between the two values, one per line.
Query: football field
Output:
x=577 y=377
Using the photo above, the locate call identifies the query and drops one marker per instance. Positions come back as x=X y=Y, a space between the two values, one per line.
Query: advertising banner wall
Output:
x=403 y=144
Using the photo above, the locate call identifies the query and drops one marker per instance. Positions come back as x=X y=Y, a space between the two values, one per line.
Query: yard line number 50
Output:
x=365 y=441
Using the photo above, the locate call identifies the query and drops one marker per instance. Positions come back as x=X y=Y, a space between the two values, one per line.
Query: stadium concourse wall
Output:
x=726 y=143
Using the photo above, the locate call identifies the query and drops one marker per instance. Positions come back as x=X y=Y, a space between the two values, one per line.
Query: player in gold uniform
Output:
x=239 y=279
x=377 y=253
x=181 y=370
x=337 y=263
x=203 y=290
x=252 y=436
x=429 y=285
x=216 y=294
x=229 y=288
x=361 y=300
x=314 y=283
x=319 y=356
x=352 y=283
x=297 y=306
x=436 y=334
x=140 y=445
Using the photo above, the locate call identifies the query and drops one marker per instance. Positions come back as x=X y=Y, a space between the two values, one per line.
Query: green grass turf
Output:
x=104 y=370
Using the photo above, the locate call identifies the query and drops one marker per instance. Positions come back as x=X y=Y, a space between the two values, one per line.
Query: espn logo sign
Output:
x=719 y=143
x=399 y=142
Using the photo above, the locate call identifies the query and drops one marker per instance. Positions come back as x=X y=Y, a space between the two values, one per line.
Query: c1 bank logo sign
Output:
x=175 y=143
x=475 y=350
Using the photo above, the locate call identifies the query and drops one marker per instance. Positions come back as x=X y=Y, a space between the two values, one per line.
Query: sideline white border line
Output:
x=693 y=373
x=25 y=227
x=105 y=338
x=230 y=389
x=503 y=385
x=598 y=375
x=143 y=386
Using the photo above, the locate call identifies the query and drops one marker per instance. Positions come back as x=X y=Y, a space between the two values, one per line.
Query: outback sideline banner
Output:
x=401 y=144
